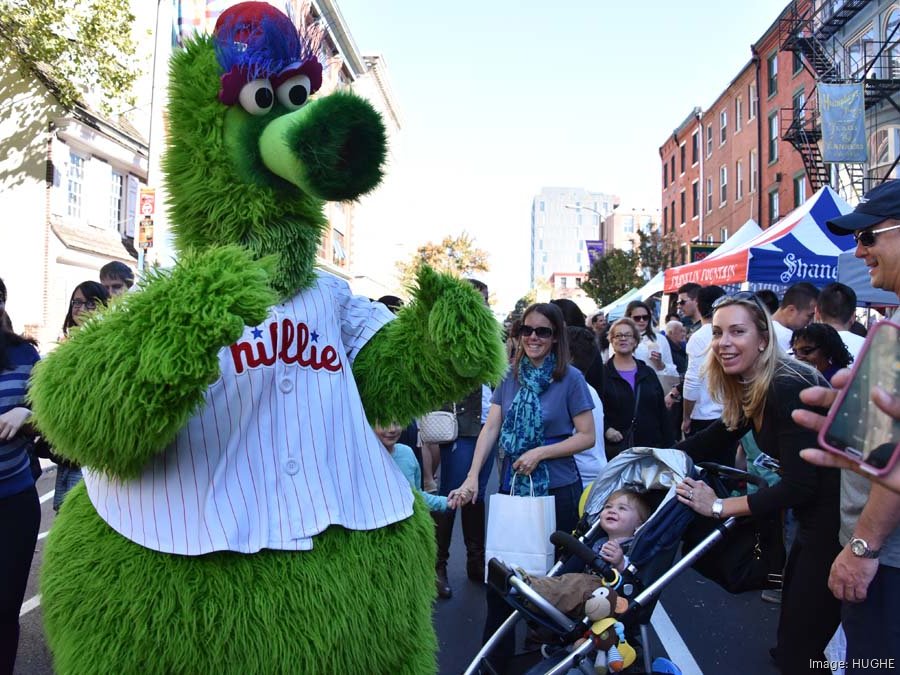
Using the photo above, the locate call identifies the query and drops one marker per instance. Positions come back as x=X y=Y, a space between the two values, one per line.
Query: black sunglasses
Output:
x=740 y=296
x=640 y=317
x=542 y=332
x=867 y=237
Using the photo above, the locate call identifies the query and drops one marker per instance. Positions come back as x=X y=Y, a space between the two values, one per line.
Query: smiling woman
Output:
x=759 y=387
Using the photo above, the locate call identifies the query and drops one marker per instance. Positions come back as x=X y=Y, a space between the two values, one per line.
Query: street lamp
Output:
x=599 y=215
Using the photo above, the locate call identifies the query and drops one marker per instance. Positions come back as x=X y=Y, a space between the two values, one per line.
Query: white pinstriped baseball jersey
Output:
x=280 y=450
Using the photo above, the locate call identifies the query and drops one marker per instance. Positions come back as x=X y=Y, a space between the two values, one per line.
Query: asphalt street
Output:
x=698 y=625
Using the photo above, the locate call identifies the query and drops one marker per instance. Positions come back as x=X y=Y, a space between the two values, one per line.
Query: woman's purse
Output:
x=439 y=426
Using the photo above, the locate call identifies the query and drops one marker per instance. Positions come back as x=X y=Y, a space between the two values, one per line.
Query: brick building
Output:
x=746 y=169
x=682 y=179
x=784 y=87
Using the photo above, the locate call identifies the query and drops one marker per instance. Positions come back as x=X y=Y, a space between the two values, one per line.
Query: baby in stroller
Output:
x=624 y=512
x=640 y=481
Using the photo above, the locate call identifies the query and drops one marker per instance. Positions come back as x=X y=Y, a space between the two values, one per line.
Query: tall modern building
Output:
x=562 y=219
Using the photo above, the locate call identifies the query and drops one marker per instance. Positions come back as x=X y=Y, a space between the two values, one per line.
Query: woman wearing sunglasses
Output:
x=759 y=386
x=533 y=412
x=653 y=349
x=633 y=400
x=822 y=347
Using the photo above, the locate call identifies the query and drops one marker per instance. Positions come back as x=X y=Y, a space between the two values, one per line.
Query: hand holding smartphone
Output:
x=855 y=427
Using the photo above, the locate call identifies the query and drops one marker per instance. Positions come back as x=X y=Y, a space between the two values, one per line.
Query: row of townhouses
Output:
x=71 y=178
x=755 y=152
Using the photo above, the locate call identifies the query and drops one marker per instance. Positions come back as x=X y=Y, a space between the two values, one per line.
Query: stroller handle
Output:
x=584 y=552
x=730 y=472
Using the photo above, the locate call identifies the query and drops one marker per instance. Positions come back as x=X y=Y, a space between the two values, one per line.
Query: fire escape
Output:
x=810 y=34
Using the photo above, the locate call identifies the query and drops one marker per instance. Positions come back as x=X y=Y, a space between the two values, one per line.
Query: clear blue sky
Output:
x=500 y=98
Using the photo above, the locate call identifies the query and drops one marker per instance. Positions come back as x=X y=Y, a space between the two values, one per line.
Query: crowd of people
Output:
x=743 y=379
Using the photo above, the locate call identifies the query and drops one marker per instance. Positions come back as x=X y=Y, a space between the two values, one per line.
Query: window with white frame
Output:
x=695 y=147
x=754 y=176
x=116 y=201
x=683 y=207
x=723 y=184
x=772 y=75
x=799 y=190
x=739 y=180
x=798 y=103
x=752 y=101
x=683 y=151
x=892 y=52
x=723 y=126
x=738 y=113
x=74 y=184
x=884 y=146
x=709 y=239
x=709 y=137
x=723 y=234
x=695 y=199
x=773 y=206
x=861 y=52
x=709 y=195
x=773 y=137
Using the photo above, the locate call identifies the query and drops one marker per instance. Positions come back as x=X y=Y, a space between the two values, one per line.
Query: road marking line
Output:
x=29 y=605
x=671 y=641
x=47 y=496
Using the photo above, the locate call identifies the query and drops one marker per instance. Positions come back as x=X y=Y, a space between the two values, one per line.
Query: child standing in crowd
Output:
x=624 y=512
x=406 y=460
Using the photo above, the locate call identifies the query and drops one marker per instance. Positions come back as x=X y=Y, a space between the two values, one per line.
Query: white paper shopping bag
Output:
x=518 y=532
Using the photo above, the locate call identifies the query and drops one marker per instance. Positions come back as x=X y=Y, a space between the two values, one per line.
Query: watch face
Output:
x=858 y=547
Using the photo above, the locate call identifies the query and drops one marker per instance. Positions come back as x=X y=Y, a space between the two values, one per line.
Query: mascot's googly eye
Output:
x=257 y=97
x=294 y=91
x=601 y=592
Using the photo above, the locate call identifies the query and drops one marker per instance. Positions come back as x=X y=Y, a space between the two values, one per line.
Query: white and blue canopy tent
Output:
x=853 y=272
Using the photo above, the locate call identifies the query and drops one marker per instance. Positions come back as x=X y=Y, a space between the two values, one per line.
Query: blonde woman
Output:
x=758 y=387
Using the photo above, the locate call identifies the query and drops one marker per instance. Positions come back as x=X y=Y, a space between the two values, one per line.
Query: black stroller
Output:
x=654 y=472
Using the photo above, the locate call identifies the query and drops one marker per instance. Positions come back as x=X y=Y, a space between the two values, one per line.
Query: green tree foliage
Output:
x=80 y=45
x=656 y=251
x=612 y=275
x=454 y=255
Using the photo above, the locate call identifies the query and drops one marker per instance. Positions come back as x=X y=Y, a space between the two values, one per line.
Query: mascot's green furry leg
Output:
x=111 y=606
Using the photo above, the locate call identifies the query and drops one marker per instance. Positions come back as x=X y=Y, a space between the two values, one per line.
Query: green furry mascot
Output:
x=238 y=513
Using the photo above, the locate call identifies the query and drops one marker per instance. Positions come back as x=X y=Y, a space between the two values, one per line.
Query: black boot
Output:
x=473 y=534
x=443 y=531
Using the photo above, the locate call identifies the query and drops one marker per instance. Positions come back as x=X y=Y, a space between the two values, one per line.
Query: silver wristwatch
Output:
x=860 y=548
x=717 y=507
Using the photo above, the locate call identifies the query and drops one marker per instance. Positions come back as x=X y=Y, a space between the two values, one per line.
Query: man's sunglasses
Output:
x=740 y=296
x=867 y=237
x=542 y=332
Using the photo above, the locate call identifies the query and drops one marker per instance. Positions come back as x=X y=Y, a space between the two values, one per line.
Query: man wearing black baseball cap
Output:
x=866 y=573
x=875 y=225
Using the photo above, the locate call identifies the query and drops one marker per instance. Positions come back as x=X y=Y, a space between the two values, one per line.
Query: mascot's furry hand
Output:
x=153 y=353
x=441 y=346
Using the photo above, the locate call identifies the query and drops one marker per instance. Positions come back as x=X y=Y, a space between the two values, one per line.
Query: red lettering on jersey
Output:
x=292 y=338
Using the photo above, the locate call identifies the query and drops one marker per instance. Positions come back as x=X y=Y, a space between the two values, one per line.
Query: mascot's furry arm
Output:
x=142 y=368
x=440 y=348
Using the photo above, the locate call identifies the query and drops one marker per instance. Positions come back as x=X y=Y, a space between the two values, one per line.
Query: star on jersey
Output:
x=257 y=333
x=314 y=336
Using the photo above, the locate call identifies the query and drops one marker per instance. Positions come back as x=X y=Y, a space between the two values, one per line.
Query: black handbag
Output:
x=751 y=557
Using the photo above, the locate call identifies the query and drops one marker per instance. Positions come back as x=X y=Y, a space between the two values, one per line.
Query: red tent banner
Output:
x=726 y=269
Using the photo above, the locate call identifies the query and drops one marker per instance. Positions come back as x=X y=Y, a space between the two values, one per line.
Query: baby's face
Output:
x=619 y=518
x=389 y=435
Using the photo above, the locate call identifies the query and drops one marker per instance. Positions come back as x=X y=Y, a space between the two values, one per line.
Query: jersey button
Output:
x=292 y=466
x=286 y=385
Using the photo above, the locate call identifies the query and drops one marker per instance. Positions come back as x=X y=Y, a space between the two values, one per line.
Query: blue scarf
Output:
x=523 y=426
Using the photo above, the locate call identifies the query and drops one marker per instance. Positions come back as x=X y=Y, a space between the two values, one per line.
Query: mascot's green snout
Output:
x=238 y=513
x=332 y=148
